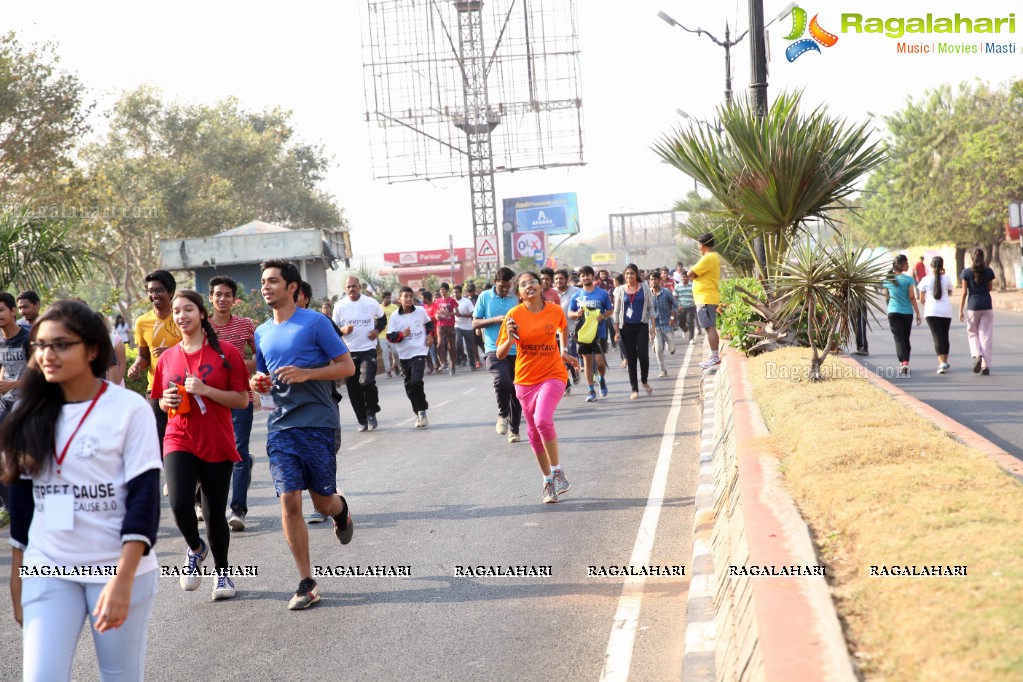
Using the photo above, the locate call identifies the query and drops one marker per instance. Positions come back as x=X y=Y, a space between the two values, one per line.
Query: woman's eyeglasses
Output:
x=526 y=283
x=57 y=346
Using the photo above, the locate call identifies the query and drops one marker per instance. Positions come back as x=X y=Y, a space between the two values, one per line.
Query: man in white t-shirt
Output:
x=361 y=319
x=464 y=335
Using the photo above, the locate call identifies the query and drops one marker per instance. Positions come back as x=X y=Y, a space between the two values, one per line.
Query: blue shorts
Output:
x=304 y=458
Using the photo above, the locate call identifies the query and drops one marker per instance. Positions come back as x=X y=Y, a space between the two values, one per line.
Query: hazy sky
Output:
x=636 y=71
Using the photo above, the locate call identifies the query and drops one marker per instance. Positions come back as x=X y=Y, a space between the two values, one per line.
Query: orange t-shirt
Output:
x=538 y=356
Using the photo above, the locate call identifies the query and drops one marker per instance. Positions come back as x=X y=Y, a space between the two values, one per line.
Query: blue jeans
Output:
x=242 y=474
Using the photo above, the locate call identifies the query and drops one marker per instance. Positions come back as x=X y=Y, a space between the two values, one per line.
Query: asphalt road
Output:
x=990 y=405
x=455 y=494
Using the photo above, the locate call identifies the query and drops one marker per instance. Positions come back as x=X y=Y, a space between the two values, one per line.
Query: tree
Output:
x=35 y=253
x=169 y=170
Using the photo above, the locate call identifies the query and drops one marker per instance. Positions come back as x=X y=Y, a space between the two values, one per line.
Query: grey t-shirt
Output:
x=14 y=354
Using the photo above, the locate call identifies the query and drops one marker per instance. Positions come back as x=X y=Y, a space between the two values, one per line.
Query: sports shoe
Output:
x=575 y=378
x=591 y=397
x=977 y=361
x=568 y=390
x=633 y=395
x=451 y=371
x=502 y=426
x=946 y=366
x=363 y=427
x=388 y=374
x=550 y=494
x=191 y=571
x=985 y=372
x=224 y=588
x=5 y=518
x=671 y=351
x=237 y=520
x=513 y=437
x=371 y=422
x=712 y=361
x=305 y=596
x=166 y=491
x=692 y=342
x=316 y=517
x=941 y=368
x=561 y=484
x=423 y=421
x=904 y=370
x=603 y=388
x=344 y=527
x=662 y=373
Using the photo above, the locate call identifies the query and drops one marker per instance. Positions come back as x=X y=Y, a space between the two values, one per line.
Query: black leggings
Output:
x=635 y=338
x=183 y=471
x=939 y=332
x=901 y=325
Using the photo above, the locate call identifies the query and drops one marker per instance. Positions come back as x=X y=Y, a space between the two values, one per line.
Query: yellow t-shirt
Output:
x=388 y=309
x=708 y=273
x=153 y=332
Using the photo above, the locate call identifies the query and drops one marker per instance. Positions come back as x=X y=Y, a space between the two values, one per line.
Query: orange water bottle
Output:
x=184 y=406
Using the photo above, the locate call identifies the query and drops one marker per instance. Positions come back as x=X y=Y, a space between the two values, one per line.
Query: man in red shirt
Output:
x=919 y=270
x=549 y=293
x=447 y=351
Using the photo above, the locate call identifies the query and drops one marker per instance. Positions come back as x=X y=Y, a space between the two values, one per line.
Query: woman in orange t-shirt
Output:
x=538 y=330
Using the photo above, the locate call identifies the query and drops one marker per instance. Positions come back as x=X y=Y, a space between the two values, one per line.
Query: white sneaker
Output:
x=662 y=373
x=191 y=572
x=502 y=426
x=423 y=421
x=166 y=492
x=224 y=588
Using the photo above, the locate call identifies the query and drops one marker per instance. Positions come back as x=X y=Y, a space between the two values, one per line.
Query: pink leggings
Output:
x=538 y=404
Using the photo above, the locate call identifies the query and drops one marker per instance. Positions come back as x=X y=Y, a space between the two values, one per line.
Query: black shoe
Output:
x=371 y=422
x=344 y=527
x=985 y=372
x=976 y=364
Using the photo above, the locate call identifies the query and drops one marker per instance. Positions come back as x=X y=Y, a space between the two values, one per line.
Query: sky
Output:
x=636 y=71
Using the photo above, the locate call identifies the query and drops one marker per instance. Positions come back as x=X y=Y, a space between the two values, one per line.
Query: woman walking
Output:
x=87 y=553
x=936 y=294
x=633 y=311
x=412 y=336
x=900 y=291
x=980 y=318
x=198 y=383
x=540 y=331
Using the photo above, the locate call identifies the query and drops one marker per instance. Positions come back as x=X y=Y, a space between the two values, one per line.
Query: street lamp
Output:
x=727 y=43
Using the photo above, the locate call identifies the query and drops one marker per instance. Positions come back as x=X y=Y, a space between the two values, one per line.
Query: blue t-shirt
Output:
x=307 y=339
x=980 y=297
x=898 y=294
x=597 y=299
x=489 y=304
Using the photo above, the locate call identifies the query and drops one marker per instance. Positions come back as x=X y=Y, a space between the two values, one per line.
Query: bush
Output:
x=735 y=314
x=139 y=386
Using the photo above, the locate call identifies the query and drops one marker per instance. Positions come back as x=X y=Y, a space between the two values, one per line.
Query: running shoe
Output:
x=977 y=363
x=363 y=427
x=344 y=527
x=166 y=491
x=692 y=342
x=633 y=395
x=5 y=518
x=316 y=517
x=371 y=422
x=575 y=377
x=568 y=390
x=649 y=389
x=451 y=371
x=237 y=520
x=224 y=588
x=985 y=372
x=550 y=494
x=513 y=437
x=591 y=397
x=712 y=361
x=941 y=368
x=561 y=484
x=419 y=421
x=662 y=373
x=191 y=572
x=603 y=388
x=388 y=374
x=502 y=426
x=305 y=596
x=423 y=421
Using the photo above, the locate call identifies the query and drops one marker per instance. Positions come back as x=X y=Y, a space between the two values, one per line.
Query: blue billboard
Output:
x=550 y=213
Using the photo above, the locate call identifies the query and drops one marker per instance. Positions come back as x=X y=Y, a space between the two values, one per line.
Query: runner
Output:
x=14 y=355
x=198 y=383
x=411 y=335
x=565 y=294
x=432 y=362
x=593 y=298
x=547 y=282
x=664 y=309
x=491 y=308
x=106 y=438
x=539 y=329
x=28 y=306
x=361 y=318
x=705 y=275
x=446 y=329
x=240 y=333
x=464 y=336
x=299 y=355
x=633 y=308
x=387 y=351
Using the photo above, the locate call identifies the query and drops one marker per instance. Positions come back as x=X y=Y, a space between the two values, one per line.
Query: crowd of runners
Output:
x=81 y=455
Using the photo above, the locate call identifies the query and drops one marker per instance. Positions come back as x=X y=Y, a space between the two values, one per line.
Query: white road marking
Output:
x=618 y=657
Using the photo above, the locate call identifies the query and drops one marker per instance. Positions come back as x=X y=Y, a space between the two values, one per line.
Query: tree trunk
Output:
x=960 y=263
x=995 y=261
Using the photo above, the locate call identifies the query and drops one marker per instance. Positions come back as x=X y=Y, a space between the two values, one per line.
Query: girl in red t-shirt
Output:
x=198 y=382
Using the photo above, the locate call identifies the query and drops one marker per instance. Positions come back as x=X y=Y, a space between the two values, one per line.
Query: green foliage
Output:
x=35 y=252
x=737 y=317
x=252 y=306
x=138 y=385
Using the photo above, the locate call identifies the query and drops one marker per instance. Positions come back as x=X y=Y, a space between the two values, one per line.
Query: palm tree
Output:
x=37 y=253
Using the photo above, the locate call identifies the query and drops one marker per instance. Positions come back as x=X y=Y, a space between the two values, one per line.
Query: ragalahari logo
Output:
x=817 y=35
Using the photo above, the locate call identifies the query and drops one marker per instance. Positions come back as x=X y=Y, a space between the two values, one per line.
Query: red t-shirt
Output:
x=210 y=436
x=552 y=296
x=444 y=305
x=921 y=271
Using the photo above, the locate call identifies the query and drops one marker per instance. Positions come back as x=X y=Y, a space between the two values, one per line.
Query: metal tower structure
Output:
x=467 y=88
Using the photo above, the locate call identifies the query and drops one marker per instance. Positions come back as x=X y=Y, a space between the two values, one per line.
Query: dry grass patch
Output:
x=882 y=486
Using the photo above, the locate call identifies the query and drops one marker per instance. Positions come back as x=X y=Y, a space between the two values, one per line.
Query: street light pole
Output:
x=758 y=57
x=727 y=43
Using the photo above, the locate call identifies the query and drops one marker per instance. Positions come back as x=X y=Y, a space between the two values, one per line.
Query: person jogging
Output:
x=411 y=335
x=464 y=334
x=298 y=357
x=980 y=316
x=936 y=294
x=633 y=313
x=82 y=457
x=198 y=383
x=491 y=307
x=539 y=329
x=900 y=292
x=566 y=292
x=240 y=333
x=596 y=301
x=361 y=319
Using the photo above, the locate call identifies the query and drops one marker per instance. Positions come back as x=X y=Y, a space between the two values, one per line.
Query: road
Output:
x=990 y=405
x=456 y=494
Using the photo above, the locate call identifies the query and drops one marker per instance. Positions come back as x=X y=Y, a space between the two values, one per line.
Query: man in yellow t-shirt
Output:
x=706 y=274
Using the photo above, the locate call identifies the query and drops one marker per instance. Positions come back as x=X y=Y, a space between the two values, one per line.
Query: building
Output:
x=238 y=252
x=413 y=267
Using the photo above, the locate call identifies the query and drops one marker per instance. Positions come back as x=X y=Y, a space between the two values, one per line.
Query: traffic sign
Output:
x=486 y=248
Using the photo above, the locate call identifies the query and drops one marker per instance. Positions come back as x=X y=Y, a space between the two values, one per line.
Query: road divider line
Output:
x=618 y=657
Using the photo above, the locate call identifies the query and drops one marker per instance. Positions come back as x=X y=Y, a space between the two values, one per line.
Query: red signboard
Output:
x=433 y=257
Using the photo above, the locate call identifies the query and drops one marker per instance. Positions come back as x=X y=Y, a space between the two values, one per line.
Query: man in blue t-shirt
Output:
x=491 y=308
x=592 y=297
x=298 y=357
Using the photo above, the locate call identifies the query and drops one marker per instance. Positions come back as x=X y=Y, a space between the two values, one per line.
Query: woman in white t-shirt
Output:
x=83 y=460
x=936 y=293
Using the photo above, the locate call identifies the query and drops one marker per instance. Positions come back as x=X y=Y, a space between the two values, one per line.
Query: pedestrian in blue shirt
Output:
x=900 y=291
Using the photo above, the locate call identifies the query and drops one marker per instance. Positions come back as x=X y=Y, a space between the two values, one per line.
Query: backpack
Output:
x=587 y=326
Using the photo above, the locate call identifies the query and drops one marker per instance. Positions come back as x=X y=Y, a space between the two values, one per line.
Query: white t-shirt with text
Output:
x=413 y=325
x=362 y=314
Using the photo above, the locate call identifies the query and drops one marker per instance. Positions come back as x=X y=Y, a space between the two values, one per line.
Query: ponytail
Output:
x=897 y=264
x=978 y=266
x=938 y=265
